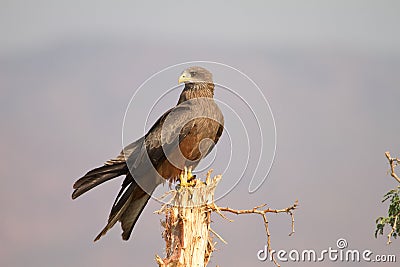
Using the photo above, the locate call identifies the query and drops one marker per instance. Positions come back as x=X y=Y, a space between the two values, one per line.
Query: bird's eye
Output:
x=192 y=73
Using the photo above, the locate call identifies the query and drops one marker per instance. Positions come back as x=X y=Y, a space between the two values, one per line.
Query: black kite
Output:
x=181 y=137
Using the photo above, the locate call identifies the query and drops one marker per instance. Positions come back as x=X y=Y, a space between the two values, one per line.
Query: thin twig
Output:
x=216 y=209
x=393 y=163
x=394 y=228
x=292 y=215
x=217 y=235
x=254 y=210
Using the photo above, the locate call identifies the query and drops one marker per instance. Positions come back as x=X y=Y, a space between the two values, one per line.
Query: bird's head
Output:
x=195 y=75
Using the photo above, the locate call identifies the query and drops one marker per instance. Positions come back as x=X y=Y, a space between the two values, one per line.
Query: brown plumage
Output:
x=180 y=137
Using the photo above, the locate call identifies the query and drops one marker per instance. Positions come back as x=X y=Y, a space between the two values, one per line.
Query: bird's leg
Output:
x=190 y=176
x=183 y=177
x=187 y=178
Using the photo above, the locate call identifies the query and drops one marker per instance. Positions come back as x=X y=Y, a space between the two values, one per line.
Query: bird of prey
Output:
x=180 y=138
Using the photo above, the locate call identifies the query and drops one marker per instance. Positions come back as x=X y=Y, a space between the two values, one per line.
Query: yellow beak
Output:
x=183 y=78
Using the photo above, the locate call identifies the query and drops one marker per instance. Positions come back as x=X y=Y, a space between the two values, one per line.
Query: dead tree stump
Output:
x=187 y=225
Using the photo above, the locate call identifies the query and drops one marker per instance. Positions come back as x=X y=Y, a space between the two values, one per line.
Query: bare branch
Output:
x=217 y=235
x=393 y=163
x=394 y=228
x=263 y=213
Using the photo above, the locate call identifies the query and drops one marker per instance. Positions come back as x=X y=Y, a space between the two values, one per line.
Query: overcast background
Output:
x=329 y=69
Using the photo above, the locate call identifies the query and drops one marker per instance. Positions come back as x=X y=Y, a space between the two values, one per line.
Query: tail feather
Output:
x=126 y=210
x=98 y=176
x=117 y=210
x=132 y=213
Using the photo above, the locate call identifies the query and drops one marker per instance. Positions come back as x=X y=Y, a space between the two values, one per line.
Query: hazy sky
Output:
x=360 y=25
x=330 y=71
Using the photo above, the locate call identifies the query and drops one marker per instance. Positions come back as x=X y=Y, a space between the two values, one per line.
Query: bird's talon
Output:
x=187 y=178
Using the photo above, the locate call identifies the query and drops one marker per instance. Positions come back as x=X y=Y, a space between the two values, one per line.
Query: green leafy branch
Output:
x=392 y=219
x=393 y=215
